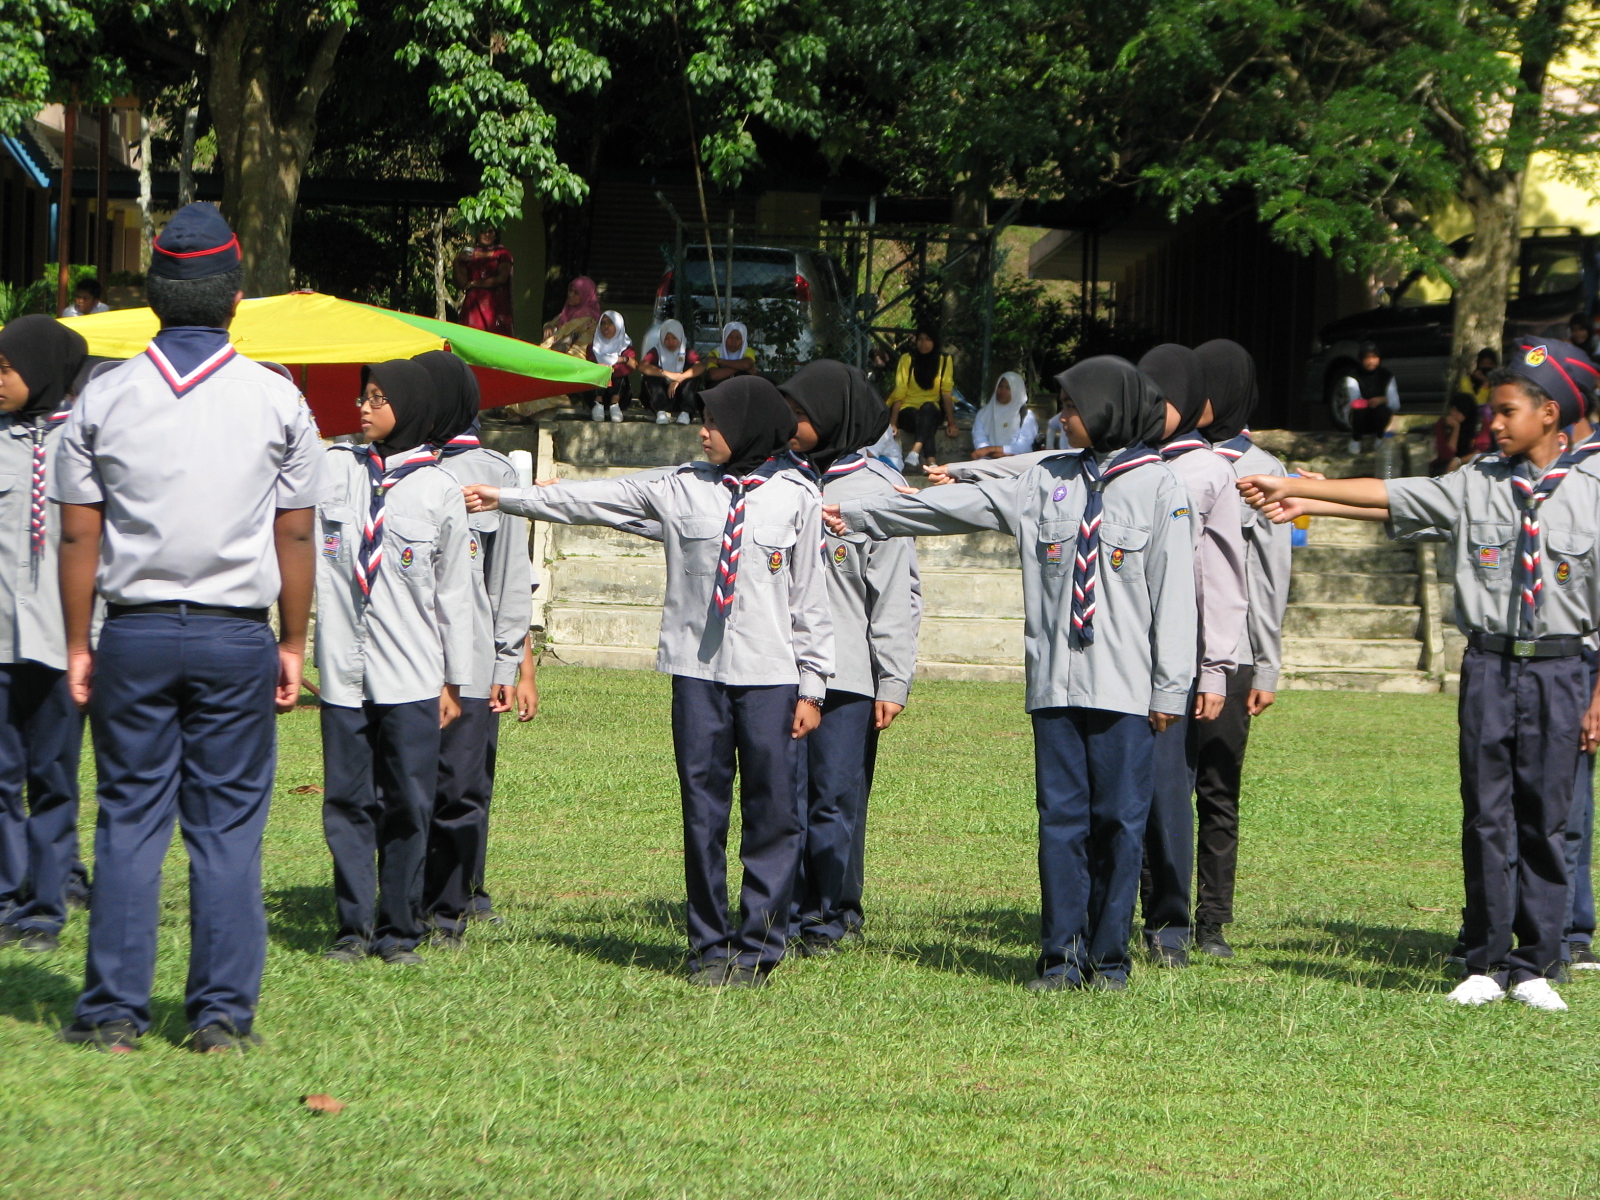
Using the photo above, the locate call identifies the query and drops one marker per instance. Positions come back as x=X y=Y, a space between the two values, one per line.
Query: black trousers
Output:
x=923 y=423
x=40 y=734
x=1220 y=762
x=458 y=835
x=380 y=765
x=1520 y=726
x=1168 y=872
x=717 y=729
x=658 y=396
x=834 y=775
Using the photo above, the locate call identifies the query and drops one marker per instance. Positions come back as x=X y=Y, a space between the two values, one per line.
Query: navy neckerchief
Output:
x=1531 y=495
x=733 y=528
x=846 y=463
x=187 y=355
x=371 y=552
x=1086 y=561
x=463 y=442
x=1235 y=448
x=1181 y=445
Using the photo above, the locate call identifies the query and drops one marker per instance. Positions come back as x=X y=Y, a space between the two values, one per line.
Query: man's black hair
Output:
x=1504 y=375
x=89 y=284
x=207 y=302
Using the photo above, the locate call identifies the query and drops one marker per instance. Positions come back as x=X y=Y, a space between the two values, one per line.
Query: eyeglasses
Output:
x=376 y=401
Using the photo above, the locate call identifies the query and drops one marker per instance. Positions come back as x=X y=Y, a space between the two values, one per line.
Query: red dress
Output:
x=488 y=308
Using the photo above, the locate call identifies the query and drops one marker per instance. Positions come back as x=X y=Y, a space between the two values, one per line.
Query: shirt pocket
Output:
x=700 y=542
x=1122 y=551
x=1492 y=546
x=1058 y=540
x=1570 y=553
x=411 y=546
x=775 y=544
x=341 y=537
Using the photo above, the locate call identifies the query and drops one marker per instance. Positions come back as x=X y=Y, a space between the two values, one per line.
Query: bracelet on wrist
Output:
x=813 y=701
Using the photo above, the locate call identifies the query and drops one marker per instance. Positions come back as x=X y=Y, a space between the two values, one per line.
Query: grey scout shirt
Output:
x=1142 y=658
x=875 y=594
x=778 y=629
x=1267 y=562
x=1476 y=510
x=190 y=483
x=502 y=577
x=414 y=633
x=31 y=625
x=1221 y=588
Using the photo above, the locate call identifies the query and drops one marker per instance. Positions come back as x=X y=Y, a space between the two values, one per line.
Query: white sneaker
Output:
x=1537 y=993
x=1355 y=445
x=616 y=414
x=598 y=412
x=683 y=418
x=1478 y=989
x=913 y=460
x=663 y=417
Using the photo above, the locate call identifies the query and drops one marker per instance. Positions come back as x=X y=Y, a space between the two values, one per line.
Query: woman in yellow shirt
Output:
x=924 y=382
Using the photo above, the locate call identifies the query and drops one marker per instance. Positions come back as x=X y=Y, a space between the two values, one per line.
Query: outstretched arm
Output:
x=1261 y=490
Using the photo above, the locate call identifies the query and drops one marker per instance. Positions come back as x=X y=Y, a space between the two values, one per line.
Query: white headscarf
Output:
x=726 y=355
x=670 y=360
x=608 y=349
x=1005 y=419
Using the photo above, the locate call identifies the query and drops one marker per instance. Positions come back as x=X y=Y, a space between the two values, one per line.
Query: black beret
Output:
x=196 y=244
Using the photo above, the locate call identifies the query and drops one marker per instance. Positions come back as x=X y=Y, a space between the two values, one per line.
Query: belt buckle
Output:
x=1523 y=649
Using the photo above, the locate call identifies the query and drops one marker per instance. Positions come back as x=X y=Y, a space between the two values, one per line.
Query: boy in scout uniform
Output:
x=1522 y=524
x=186 y=479
x=395 y=645
x=747 y=639
x=1106 y=541
x=875 y=595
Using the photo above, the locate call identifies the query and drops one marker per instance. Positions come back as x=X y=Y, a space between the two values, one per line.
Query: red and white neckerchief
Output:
x=1086 y=560
x=733 y=528
x=371 y=551
x=1235 y=447
x=36 y=503
x=1182 y=445
x=847 y=464
x=462 y=442
x=181 y=383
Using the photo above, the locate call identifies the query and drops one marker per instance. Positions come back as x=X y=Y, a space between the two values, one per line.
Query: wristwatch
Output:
x=812 y=700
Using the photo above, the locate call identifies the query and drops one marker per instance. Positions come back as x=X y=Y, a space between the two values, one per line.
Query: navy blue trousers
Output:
x=182 y=714
x=1580 y=846
x=459 y=833
x=41 y=732
x=1168 y=871
x=834 y=774
x=715 y=730
x=1092 y=769
x=380 y=764
x=855 y=873
x=1521 y=720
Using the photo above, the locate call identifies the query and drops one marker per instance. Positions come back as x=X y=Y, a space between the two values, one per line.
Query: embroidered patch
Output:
x=1052 y=554
x=1117 y=558
x=407 y=557
x=839 y=555
x=775 y=561
x=1563 y=572
x=1489 y=557
x=472 y=547
x=1536 y=355
x=330 y=545
x=1059 y=494
x=1179 y=512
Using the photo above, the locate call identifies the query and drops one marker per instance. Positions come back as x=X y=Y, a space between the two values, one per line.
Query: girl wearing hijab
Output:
x=483 y=273
x=1104 y=537
x=1005 y=425
x=671 y=372
x=924 y=383
x=1371 y=398
x=453 y=890
x=875 y=595
x=1219 y=571
x=747 y=639
x=395 y=647
x=572 y=329
x=613 y=348
x=40 y=728
x=1230 y=375
x=735 y=355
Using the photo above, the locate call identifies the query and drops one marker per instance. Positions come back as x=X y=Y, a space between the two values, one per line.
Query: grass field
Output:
x=563 y=1055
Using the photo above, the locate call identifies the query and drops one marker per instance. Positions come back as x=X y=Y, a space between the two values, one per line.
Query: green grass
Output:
x=563 y=1055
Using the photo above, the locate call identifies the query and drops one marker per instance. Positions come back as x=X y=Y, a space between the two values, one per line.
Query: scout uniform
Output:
x=875 y=595
x=502 y=598
x=745 y=630
x=395 y=613
x=192 y=449
x=1107 y=549
x=41 y=729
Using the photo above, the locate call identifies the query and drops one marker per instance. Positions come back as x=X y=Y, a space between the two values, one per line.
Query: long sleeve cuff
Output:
x=1172 y=703
x=1214 y=680
x=812 y=685
x=505 y=671
x=1266 y=679
x=893 y=691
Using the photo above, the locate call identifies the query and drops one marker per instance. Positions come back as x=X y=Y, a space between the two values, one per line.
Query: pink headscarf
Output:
x=588 y=304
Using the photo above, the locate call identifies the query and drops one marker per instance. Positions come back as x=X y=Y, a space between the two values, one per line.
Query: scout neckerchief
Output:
x=1235 y=448
x=38 y=431
x=183 y=383
x=1531 y=495
x=462 y=442
x=845 y=464
x=371 y=552
x=1182 y=445
x=733 y=527
x=1086 y=561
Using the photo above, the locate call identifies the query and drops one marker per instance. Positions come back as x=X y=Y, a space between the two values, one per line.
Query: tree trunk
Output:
x=147 y=220
x=191 y=129
x=1484 y=273
x=963 y=282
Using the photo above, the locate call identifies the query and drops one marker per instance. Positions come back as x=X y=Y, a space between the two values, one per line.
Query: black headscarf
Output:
x=1119 y=405
x=48 y=354
x=925 y=367
x=416 y=401
x=1176 y=370
x=1231 y=385
x=1374 y=384
x=754 y=420
x=843 y=406
x=457 y=390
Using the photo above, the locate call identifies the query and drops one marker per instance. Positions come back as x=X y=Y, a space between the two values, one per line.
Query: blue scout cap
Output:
x=196 y=244
x=1566 y=373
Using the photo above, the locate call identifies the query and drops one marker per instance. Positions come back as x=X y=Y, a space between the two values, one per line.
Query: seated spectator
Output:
x=1005 y=425
x=1580 y=333
x=1462 y=434
x=572 y=329
x=483 y=273
x=86 y=300
x=924 y=382
x=1371 y=398
x=671 y=372
x=735 y=356
x=612 y=348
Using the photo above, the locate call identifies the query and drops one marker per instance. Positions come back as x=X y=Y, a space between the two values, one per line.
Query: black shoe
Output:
x=850 y=937
x=1560 y=972
x=745 y=977
x=347 y=951
x=1583 y=957
x=220 y=1039
x=78 y=902
x=37 y=941
x=399 y=956
x=1210 y=941
x=443 y=939
x=1053 y=983
x=1168 y=956
x=1108 y=983
x=10 y=935
x=711 y=974
x=817 y=945
x=487 y=915
x=116 y=1037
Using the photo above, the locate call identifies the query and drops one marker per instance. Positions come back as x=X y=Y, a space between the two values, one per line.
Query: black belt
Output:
x=185 y=609
x=1546 y=647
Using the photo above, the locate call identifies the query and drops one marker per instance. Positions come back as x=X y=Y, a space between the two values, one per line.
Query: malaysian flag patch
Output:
x=1489 y=557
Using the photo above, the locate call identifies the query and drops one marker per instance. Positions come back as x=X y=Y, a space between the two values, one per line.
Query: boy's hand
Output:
x=481 y=497
x=905 y=489
x=449 y=704
x=1591 y=726
x=1281 y=512
x=807 y=716
x=834 y=522
x=291 y=670
x=1259 y=701
x=501 y=697
x=937 y=474
x=80 y=669
x=1208 y=706
x=1261 y=490
x=1160 y=722
x=884 y=712
x=527 y=698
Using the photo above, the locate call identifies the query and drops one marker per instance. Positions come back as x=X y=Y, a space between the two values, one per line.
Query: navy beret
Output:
x=196 y=244
x=1565 y=372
